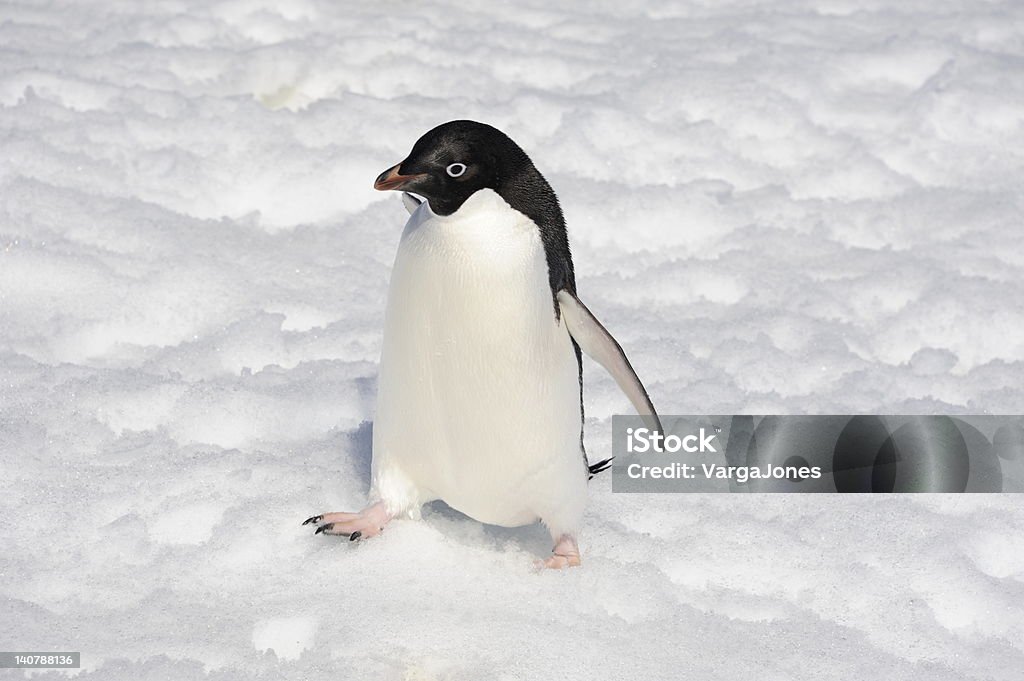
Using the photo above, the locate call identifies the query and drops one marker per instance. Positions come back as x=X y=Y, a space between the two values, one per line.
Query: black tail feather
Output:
x=602 y=465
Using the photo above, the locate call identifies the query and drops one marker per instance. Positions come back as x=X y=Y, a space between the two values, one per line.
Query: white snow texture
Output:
x=798 y=206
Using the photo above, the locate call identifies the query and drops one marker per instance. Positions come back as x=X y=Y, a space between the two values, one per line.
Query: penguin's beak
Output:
x=390 y=179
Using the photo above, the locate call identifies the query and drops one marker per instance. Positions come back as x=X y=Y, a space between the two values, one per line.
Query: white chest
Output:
x=478 y=391
x=480 y=267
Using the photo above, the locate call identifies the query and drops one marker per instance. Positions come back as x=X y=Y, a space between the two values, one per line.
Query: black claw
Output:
x=354 y=536
x=311 y=521
x=324 y=528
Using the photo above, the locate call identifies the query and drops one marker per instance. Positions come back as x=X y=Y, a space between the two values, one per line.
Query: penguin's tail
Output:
x=602 y=465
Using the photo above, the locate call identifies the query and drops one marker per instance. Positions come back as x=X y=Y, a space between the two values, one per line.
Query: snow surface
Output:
x=795 y=206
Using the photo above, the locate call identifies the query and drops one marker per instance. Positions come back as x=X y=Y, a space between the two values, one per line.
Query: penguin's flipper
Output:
x=410 y=202
x=595 y=340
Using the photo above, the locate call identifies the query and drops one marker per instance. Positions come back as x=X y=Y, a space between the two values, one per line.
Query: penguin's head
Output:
x=453 y=161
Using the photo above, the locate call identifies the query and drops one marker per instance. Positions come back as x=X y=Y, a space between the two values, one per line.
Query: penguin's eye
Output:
x=456 y=169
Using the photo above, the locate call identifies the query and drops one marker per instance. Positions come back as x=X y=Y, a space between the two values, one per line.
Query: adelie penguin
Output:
x=480 y=394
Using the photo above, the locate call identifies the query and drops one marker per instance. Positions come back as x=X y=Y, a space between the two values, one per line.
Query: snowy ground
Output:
x=808 y=207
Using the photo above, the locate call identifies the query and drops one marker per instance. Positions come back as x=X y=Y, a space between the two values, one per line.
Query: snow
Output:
x=777 y=207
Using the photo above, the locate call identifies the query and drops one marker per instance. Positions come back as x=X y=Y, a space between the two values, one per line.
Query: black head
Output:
x=453 y=161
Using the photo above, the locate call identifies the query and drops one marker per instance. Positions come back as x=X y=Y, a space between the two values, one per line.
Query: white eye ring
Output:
x=456 y=169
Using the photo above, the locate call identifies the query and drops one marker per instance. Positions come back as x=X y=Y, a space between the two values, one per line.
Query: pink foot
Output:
x=367 y=523
x=565 y=554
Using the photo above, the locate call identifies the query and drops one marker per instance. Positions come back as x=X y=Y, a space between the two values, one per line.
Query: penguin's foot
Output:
x=367 y=523
x=565 y=554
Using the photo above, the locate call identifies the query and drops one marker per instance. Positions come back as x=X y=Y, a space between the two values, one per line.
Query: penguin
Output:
x=480 y=390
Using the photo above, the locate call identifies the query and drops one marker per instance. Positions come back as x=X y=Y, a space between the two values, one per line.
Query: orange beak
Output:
x=390 y=179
